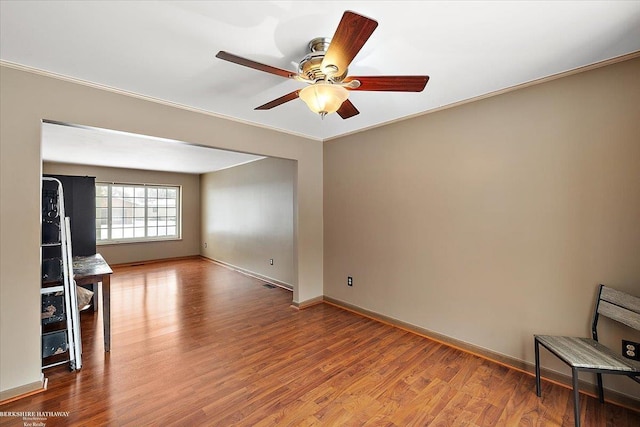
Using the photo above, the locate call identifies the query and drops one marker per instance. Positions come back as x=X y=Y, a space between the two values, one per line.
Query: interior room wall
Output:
x=495 y=220
x=26 y=98
x=188 y=245
x=248 y=217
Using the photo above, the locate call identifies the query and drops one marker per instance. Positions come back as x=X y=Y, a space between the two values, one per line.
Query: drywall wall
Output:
x=131 y=252
x=26 y=99
x=248 y=217
x=495 y=220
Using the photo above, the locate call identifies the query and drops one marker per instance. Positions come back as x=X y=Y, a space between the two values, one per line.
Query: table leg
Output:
x=106 y=311
x=94 y=298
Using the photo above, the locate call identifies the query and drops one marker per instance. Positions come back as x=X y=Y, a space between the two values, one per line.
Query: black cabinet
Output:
x=80 y=206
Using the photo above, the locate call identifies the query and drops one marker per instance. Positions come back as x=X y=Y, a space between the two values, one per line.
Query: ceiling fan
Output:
x=325 y=70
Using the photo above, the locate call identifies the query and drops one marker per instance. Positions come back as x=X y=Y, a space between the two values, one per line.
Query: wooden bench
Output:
x=587 y=354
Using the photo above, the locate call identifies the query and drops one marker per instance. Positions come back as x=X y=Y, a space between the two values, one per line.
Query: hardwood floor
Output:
x=194 y=343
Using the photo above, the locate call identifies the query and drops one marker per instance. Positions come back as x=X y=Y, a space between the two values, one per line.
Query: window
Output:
x=135 y=213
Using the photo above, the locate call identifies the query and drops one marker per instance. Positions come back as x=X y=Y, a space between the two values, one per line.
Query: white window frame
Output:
x=148 y=190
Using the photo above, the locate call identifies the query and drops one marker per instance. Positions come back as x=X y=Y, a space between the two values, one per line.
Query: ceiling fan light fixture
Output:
x=324 y=98
x=326 y=67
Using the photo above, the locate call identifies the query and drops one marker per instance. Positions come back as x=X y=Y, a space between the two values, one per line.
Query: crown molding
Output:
x=535 y=82
x=611 y=61
x=111 y=89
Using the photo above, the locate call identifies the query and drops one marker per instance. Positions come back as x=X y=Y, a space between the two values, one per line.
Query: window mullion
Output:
x=109 y=206
x=146 y=212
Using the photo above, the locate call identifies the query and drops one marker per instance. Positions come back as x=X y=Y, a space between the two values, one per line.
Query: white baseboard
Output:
x=612 y=396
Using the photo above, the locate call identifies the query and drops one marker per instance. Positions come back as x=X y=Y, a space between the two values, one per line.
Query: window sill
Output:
x=127 y=241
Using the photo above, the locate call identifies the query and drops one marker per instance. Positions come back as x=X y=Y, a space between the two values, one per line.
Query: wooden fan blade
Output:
x=352 y=33
x=347 y=109
x=255 y=65
x=390 y=83
x=279 y=101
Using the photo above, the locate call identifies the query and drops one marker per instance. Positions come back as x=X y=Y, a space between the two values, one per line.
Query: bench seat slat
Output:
x=586 y=353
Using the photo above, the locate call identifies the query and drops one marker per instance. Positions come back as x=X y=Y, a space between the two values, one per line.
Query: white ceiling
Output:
x=100 y=147
x=166 y=50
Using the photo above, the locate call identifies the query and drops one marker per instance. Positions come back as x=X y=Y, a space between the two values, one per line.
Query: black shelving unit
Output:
x=61 y=341
x=80 y=207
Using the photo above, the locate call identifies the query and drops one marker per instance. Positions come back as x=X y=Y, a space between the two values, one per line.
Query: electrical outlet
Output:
x=631 y=350
x=271 y=261
x=205 y=245
x=349 y=281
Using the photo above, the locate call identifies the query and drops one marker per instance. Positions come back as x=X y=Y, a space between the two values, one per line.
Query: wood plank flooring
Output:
x=194 y=343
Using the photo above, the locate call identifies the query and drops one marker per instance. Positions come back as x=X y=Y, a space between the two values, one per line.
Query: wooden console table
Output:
x=92 y=269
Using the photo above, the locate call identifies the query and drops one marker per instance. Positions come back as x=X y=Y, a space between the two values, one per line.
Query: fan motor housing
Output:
x=310 y=66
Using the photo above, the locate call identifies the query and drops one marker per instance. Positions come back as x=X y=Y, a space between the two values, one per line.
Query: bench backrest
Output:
x=618 y=306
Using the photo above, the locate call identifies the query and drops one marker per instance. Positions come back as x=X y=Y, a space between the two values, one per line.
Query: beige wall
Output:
x=497 y=219
x=248 y=217
x=487 y=223
x=132 y=252
x=27 y=98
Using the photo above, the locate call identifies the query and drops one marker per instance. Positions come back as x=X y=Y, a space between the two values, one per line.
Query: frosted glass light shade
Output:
x=324 y=98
